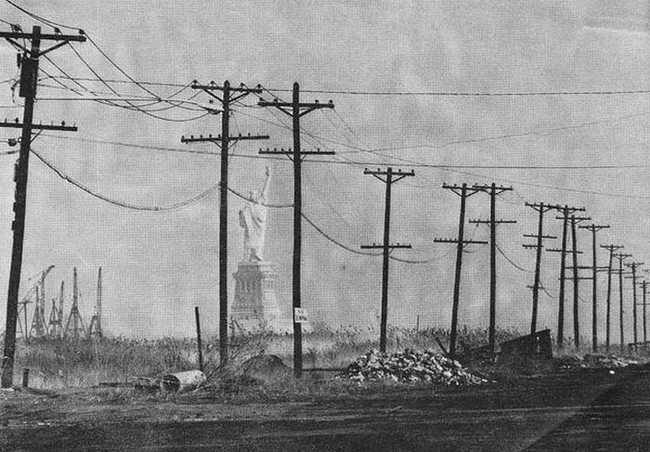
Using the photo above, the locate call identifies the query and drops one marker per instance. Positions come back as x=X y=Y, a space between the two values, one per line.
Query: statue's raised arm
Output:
x=263 y=194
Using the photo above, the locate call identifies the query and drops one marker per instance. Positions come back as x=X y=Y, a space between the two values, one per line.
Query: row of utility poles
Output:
x=295 y=109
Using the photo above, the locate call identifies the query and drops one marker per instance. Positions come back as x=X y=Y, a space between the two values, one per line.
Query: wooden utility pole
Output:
x=541 y=208
x=296 y=109
x=594 y=228
x=28 y=60
x=576 y=279
x=634 y=266
x=464 y=192
x=644 y=285
x=493 y=190
x=612 y=249
x=621 y=257
x=388 y=177
x=566 y=211
x=228 y=96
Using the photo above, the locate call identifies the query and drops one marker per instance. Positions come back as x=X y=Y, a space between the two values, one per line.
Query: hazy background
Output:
x=157 y=266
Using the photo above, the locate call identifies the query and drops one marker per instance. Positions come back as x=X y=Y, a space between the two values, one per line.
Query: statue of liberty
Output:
x=253 y=219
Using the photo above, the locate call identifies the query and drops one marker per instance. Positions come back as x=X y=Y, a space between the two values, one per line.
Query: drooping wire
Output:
x=121 y=203
x=505 y=256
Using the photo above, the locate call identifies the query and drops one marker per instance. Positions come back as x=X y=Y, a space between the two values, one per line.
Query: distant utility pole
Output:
x=621 y=257
x=566 y=211
x=296 y=109
x=594 y=228
x=223 y=141
x=634 y=266
x=464 y=192
x=644 y=285
x=388 y=177
x=28 y=61
x=541 y=208
x=612 y=249
x=493 y=190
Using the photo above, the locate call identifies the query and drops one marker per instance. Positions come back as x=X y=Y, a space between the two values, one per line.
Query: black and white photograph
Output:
x=298 y=225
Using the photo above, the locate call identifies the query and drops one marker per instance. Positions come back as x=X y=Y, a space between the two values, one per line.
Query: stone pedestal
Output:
x=255 y=306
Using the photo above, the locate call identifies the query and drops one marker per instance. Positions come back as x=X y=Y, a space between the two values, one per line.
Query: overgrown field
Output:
x=58 y=364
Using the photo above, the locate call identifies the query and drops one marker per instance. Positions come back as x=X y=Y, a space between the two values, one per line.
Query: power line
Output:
x=473 y=94
x=120 y=203
x=511 y=261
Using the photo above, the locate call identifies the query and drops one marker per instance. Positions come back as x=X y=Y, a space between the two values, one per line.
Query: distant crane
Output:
x=75 y=326
x=56 y=315
x=39 y=327
x=95 y=328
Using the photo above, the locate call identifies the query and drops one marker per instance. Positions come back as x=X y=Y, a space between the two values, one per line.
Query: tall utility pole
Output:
x=296 y=109
x=464 y=192
x=493 y=190
x=644 y=285
x=621 y=257
x=566 y=211
x=634 y=266
x=228 y=96
x=594 y=228
x=541 y=208
x=28 y=60
x=576 y=279
x=388 y=177
x=612 y=249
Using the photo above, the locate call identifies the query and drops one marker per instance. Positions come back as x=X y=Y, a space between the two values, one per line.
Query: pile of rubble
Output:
x=410 y=366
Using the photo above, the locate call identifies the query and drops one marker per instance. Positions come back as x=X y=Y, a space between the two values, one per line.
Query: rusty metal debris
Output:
x=410 y=366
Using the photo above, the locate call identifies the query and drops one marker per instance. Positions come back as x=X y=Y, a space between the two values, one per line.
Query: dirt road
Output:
x=586 y=410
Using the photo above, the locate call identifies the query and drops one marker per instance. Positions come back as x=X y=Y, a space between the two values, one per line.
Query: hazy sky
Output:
x=158 y=265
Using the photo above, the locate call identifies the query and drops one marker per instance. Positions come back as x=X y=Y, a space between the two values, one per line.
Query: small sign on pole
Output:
x=300 y=315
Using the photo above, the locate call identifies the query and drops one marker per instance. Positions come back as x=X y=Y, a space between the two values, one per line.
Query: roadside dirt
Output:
x=514 y=415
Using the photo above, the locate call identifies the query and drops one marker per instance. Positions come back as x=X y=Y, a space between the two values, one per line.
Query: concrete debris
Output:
x=410 y=366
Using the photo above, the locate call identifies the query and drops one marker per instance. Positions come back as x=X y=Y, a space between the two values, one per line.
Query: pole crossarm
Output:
x=292 y=155
x=465 y=242
x=459 y=190
x=534 y=236
x=242 y=90
x=488 y=188
x=375 y=246
x=574 y=218
x=287 y=107
x=543 y=207
x=396 y=175
x=495 y=222
x=558 y=250
x=217 y=140
x=18 y=125
x=35 y=53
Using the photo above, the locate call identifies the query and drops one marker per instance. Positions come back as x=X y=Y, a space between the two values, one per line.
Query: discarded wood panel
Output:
x=536 y=345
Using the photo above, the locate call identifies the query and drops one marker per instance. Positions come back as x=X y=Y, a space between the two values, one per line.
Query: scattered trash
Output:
x=182 y=381
x=595 y=361
x=410 y=366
